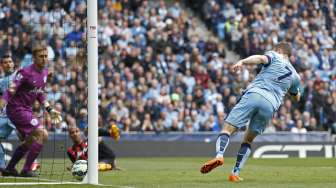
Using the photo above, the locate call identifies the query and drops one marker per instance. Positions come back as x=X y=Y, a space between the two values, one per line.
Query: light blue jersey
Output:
x=4 y=85
x=5 y=81
x=275 y=79
x=265 y=94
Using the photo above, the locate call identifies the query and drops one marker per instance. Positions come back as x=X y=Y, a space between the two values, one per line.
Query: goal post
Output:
x=92 y=61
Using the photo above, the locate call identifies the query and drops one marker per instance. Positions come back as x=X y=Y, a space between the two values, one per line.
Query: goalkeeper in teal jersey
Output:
x=6 y=127
x=258 y=103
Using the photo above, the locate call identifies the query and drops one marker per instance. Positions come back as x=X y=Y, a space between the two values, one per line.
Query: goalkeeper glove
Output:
x=55 y=115
x=114 y=132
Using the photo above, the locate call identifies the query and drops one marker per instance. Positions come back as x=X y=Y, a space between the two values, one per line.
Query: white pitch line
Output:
x=53 y=182
x=21 y=178
x=59 y=183
x=40 y=183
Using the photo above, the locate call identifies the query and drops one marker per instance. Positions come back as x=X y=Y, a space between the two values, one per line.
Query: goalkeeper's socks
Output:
x=242 y=156
x=34 y=151
x=221 y=144
x=17 y=156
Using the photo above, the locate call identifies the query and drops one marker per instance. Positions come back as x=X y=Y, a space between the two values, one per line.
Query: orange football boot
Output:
x=212 y=164
x=235 y=178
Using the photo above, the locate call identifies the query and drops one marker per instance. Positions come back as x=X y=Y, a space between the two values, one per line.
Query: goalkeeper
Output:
x=28 y=86
x=106 y=156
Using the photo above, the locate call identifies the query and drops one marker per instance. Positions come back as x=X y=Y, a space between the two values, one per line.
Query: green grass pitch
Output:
x=184 y=173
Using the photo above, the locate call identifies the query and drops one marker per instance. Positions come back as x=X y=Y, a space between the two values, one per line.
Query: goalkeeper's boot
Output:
x=28 y=174
x=212 y=164
x=35 y=166
x=235 y=178
x=10 y=172
x=104 y=167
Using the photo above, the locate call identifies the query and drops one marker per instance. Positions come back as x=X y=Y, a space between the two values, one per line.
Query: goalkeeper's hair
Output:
x=38 y=47
x=285 y=47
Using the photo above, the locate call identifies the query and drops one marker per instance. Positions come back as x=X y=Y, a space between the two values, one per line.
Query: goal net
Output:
x=66 y=30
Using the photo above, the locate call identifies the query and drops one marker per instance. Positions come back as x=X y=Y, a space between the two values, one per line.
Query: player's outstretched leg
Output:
x=242 y=156
x=221 y=145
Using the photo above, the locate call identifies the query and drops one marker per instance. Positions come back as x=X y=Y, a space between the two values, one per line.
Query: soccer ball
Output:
x=79 y=169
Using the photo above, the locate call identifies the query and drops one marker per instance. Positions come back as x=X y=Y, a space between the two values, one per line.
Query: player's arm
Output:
x=252 y=60
x=54 y=114
x=103 y=132
x=71 y=155
x=296 y=96
x=19 y=79
x=113 y=132
x=294 y=90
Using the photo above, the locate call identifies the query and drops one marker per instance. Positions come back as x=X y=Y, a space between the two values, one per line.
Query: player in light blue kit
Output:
x=6 y=127
x=259 y=101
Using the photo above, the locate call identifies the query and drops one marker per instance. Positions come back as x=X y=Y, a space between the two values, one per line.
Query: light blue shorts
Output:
x=254 y=108
x=6 y=127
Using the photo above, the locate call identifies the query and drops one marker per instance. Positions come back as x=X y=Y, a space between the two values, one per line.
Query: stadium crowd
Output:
x=158 y=72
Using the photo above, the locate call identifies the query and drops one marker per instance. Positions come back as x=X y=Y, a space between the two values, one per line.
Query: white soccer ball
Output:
x=79 y=169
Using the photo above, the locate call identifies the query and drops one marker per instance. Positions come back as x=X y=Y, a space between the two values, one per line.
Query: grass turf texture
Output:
x=184 y=173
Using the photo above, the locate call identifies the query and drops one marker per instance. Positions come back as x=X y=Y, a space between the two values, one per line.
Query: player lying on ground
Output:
x=28 y=85
x=106 y=156
x=258 y=103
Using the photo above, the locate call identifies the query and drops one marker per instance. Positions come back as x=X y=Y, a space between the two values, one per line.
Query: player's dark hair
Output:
x=285 y=47
x=4 y=57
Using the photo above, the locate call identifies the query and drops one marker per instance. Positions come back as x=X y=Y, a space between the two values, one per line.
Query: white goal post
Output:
x=92 y=61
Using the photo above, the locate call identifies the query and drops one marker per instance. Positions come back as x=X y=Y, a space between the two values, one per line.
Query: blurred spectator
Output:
x=298 y=128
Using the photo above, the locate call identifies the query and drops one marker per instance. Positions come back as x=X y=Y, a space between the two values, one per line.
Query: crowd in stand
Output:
x=157 y=71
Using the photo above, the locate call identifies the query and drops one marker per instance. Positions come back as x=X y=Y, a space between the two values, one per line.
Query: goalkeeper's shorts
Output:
x=24 y=120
